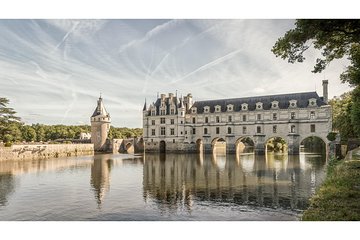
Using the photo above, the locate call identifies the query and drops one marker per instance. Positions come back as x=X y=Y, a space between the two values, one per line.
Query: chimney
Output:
x=325 y=90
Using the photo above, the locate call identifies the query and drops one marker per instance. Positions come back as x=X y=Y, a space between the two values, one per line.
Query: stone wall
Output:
x=43 y=151
x=171 y=147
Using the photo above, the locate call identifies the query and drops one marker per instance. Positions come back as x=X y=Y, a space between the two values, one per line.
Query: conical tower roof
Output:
x=100 y=109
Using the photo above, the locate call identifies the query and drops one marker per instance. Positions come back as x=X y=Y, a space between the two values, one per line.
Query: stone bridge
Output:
x=129 y=145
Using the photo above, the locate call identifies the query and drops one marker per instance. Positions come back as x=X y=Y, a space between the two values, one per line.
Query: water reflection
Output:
x=7 y=187
x=100 y=176
x=277 y=181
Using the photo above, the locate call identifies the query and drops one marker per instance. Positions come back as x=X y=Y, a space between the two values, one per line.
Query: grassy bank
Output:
x=338 y=199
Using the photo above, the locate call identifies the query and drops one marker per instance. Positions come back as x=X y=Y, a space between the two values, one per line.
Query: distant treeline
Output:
x=18 y=132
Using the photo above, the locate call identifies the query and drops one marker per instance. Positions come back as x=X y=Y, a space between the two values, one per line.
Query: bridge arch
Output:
x=314 y=143
x=218 y=145
x=129 y=148
x=244 y=144
x=162 y=147
x=276 y=144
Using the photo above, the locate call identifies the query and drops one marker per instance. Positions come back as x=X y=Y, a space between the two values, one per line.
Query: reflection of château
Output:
x=100 y=176
x=270 y=181
x=173 y=124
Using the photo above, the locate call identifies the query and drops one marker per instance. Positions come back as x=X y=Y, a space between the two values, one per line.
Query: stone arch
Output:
x=276 y=143
x=218 y=145
x=314 y=145
x=199 y=146
x=162 y=147
x=129 y=148
x=244 y=144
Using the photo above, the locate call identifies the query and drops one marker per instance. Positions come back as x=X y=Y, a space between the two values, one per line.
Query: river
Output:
x=161 y=187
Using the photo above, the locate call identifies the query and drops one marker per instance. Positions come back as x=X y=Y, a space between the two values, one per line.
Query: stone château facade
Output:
x=173 y=124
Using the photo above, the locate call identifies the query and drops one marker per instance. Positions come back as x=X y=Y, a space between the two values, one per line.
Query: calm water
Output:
x=160 y=187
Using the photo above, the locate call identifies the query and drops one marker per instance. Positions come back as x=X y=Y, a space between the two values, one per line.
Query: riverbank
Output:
x=338 y=199
x=44 y=151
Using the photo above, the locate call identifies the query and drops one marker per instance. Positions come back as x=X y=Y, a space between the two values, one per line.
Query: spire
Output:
x=181 y=102
x=100 y=109
x=144 y=108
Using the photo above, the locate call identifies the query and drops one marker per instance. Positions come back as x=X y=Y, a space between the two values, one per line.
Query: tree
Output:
x=335 y=38
x=342 y=112
x=9 y=123
x=7 y=114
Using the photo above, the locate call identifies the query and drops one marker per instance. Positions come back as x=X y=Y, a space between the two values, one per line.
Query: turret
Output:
x=188 y=101
x=181 y=110
x=100 y=126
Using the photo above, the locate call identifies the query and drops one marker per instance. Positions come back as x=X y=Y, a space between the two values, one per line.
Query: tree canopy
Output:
x=13 y=130
x=335 y=38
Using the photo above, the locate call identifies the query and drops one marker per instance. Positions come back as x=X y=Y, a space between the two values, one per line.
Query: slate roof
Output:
x=283 y=99
x=168 y=103
x=100 y=109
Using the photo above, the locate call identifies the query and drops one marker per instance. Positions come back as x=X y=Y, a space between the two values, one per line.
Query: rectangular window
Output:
x=258 y=129
x=172 y=111
x=162 y=120
x=181 y=122
x=162 y=112
x=292 y=129
x=162 y=131
x=153 y=132
x=292 y=115
x=172 y=121
x=312 y=115
x=312 y=128
x=206 y=119
x=205 y=131
x=244 y=130
x=274 y=129
x=185 y=132
x=230 y=119
x=194 y=120
x=229 y=130
x=217 y=130
x=152 y=122
x=244 y=118
x=259 y=117
x=274 y=116
x=217 y=119
x=152 y=113
x=194 y=131
x=172 y=131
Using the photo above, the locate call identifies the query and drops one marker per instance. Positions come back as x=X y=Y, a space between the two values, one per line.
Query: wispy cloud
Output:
x=53 y=70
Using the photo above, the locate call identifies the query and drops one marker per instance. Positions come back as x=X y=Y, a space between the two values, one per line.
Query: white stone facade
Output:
x=192 y=127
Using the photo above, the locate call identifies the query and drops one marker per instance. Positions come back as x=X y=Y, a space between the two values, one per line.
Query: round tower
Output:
x=100 y=126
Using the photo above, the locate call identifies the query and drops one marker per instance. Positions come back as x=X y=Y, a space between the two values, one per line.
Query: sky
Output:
x=53 y=71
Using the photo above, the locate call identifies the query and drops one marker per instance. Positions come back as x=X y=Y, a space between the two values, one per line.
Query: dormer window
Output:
x=244 y=106
x=292 y=103
x=230 y=107
x=193 y=110
x=217 y=108
x=312 y=102
x=206 y=109
x=259 y=106
x=274 y=104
